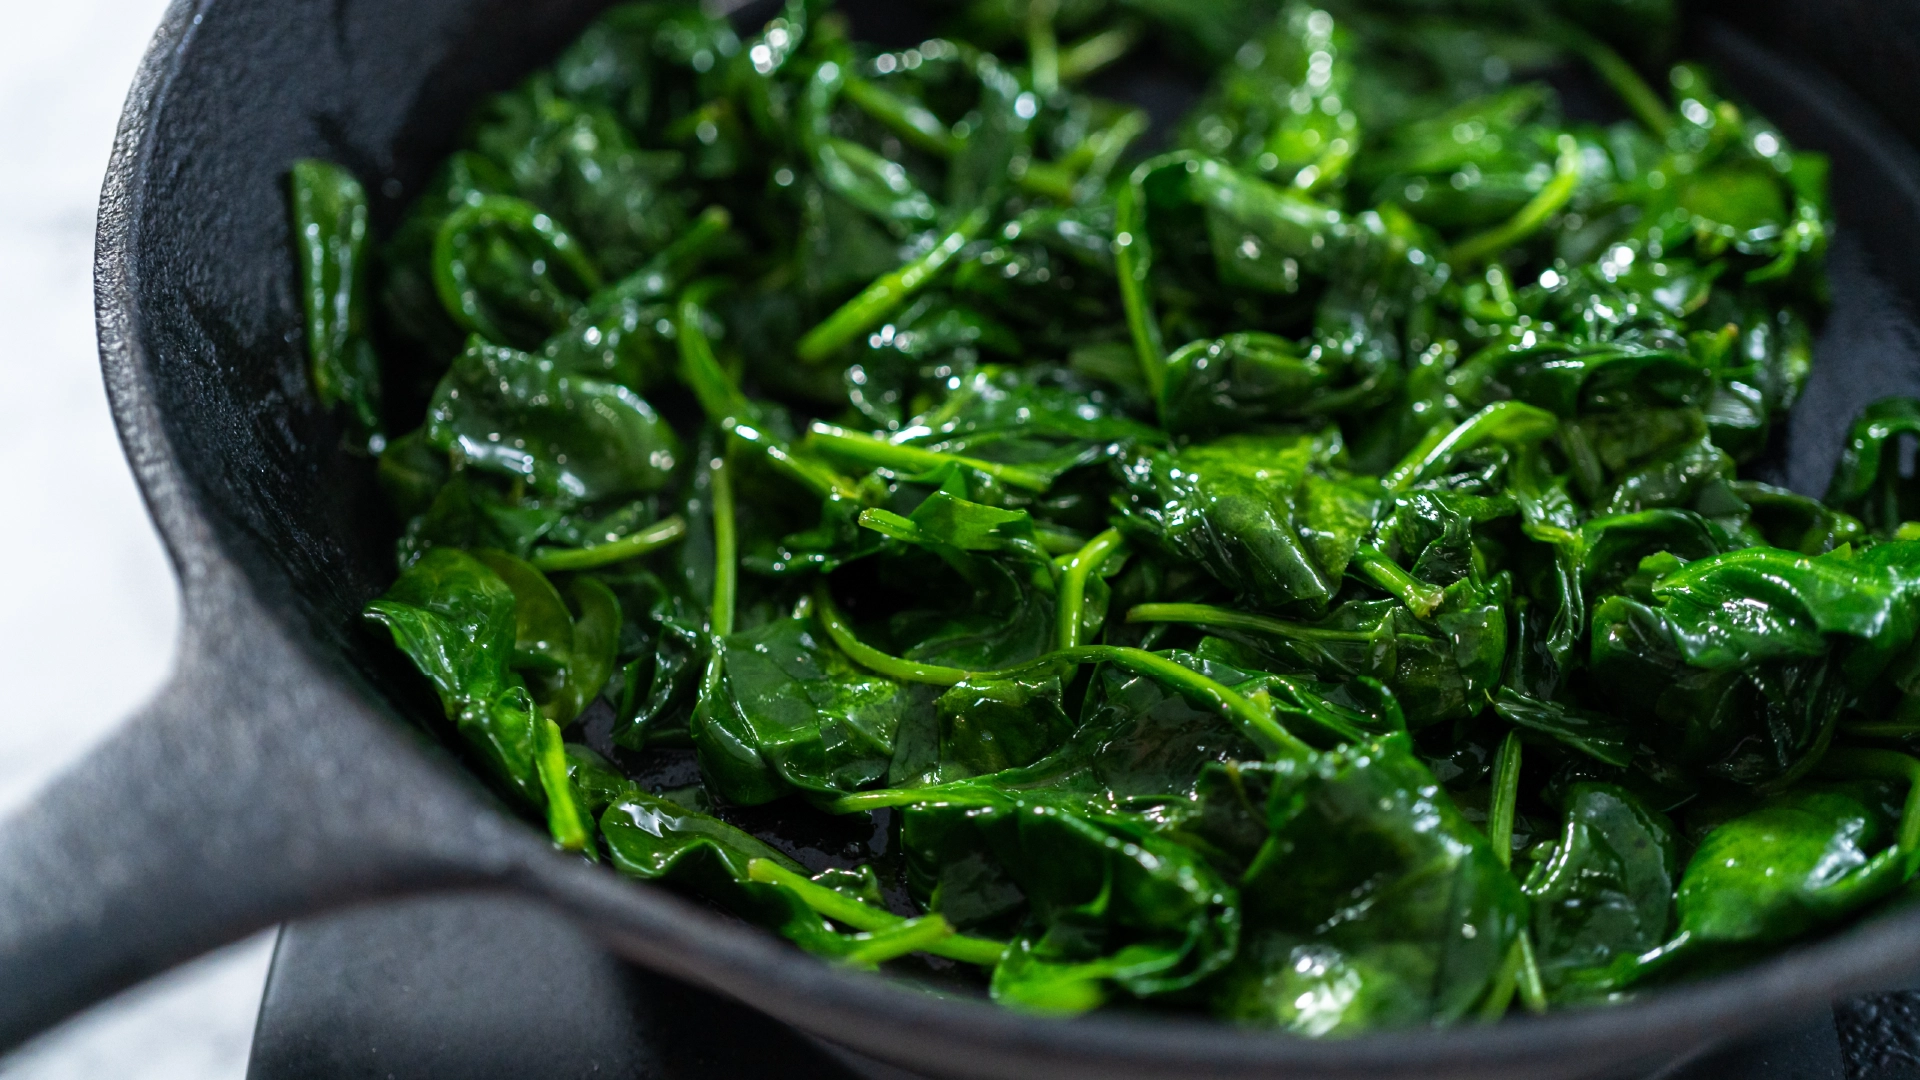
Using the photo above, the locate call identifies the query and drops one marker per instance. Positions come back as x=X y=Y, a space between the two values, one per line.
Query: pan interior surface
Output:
x=385 y=88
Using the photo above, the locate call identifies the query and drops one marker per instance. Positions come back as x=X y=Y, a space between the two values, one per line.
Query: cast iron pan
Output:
x=281 y=774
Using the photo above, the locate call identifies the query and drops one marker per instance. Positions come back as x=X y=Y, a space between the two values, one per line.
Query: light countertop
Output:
x=88 y=609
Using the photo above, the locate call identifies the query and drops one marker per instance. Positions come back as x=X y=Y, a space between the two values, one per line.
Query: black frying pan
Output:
x=279 y=774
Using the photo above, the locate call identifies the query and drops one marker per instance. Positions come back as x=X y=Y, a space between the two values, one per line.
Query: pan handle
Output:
x=255 y=788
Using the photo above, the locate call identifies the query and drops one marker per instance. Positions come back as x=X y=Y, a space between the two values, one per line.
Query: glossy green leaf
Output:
x=1247 y=379
x=1111 y=903
x=1606 y=890
x=330 y=232
x=507 y=271
x=455 y=619
x=1865 y=482
x=1801 y=860
x=1311 y=838
x=1234 y=507
x=810 y=716
x=567 y=435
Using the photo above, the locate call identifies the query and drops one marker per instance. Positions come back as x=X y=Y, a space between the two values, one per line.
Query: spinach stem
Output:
x=1511 y=422
x=726 y=563
x=662 y=273
x=1071 y=596
x=873 y=659
x=1062 y=179
x=632 y=546
x=913 y=122
x=917 y=126
x=1506 y=790
x=845 y=909
x=1100 y=151
x=1407 y=471
x=725 y=583
x=873 y=451
x=711 y=225
x=899 y=526
x=1256 y=722
x=660 y=276
x=1505 y=982
x=564 y=819
x=1533 y=994
x=1421 y=598
x=1895 y=729
x=700 y=369
x=888 y=523
x=1090 y=54
x=887 y=293
x=1133 y=264
x=861 y=802
x=1058 y=541
x=1043 y=48
x=731 y=410
x=1613 y=68
x=1550 y=201
x=1050 y=178
x=813 y=475
x=1208 y=615
x=1253 y=717
x=911 y=936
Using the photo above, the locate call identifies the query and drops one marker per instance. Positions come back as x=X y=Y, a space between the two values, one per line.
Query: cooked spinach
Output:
x=1303 y=564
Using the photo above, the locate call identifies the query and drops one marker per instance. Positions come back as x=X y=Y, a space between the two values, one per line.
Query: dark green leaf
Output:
x=1607 y=888
x=567 y=435
x=330 y=234
x=455 y=619
x=1308 y=838
x=1109 y=901
x=1801 y=860
x=813 y=719
x=1234 y=507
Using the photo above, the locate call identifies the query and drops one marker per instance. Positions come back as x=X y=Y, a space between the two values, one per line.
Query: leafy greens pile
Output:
x=1303 y=573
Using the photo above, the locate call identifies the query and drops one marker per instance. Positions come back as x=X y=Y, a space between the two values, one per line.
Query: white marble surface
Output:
x=87 y=602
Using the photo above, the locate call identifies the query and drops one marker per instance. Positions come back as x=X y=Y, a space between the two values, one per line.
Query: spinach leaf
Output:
x=980 y=726
x=1759 y=604
x=1306 y=838
x=330 y=230
x=568 y=435
x=410 y=296
x=1797 y=523
x=1866 y=482
x=807 y=713
x=505 y=270
x=617 y=336
x=1598 y=735
x=1802 y=859
x=1043 y=423
x=1244 y=508
x=654 y=839
x=1109 y=901
x=579 y=164
x=455 y=619
x=1606 y=890
x=1248 y=379
x=1435 y=673
x=1251 y=114
x=1756 y=652
x=565 y=661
